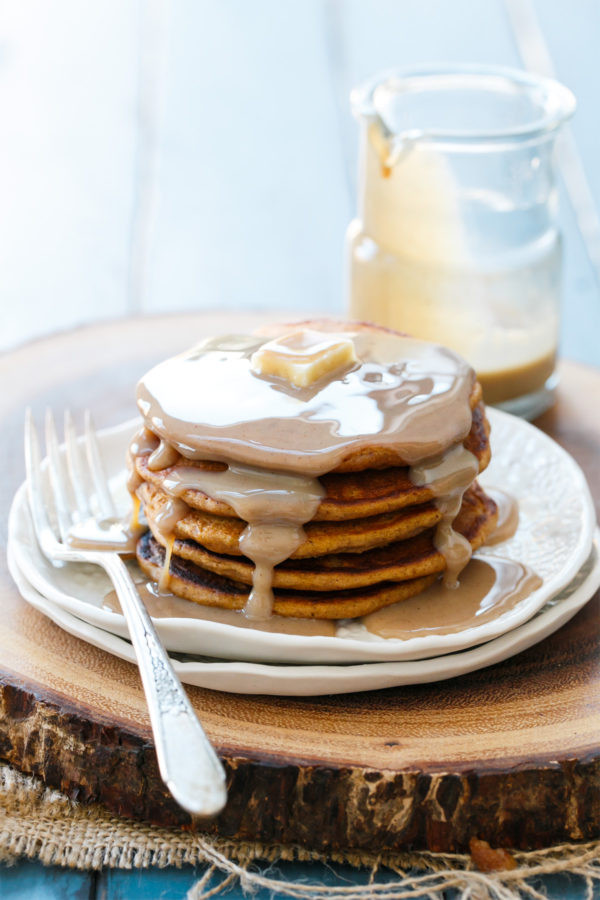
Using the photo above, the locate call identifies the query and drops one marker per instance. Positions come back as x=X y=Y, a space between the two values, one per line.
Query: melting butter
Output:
x=304 y=357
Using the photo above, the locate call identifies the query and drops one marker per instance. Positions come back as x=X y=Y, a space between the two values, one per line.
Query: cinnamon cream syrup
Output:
x=488 y=588
x=274 y=504
x=404 y=393
x=276 y=439
x=508 y=516
x=449 y=477
x=142 y=442
x=163 y=605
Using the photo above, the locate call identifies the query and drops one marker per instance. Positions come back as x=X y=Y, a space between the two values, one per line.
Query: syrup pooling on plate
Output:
x=164 y=605
x=488 y=588
x=275 y=438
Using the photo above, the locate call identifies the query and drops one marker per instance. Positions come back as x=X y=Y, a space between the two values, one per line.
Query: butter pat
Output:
x=304 y=357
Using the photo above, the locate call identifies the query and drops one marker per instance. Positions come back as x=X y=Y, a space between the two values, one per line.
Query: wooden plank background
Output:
x=201 y=153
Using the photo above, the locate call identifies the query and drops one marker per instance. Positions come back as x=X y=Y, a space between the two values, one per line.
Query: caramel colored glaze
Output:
x=223 y=535
x=401 y=387
x=142 y=444
x=394 y=395
x=418 y=560
x=508 y=516
x=488 y=588
x=194 y=583
x=348 y=495
x=518 y=380
x=448 y=477
x=272 y=509
x=163 y=605
x=164 y=578
x=373 y=456
x=395 y=561
x=164 y=455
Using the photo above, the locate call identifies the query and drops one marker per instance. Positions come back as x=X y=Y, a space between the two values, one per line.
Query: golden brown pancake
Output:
x=400 y=561
x=370 y=543
x=221 y=534
x=191 y=582
x=349 y=495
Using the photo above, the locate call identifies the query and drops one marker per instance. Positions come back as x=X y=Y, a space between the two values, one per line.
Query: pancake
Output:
x=396 y=561
x=337 y=462
x=349 y=495
x=191 y=582
x=221 y=534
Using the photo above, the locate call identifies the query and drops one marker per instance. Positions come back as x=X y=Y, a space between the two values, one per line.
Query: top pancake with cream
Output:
x=404 y=400
x=252 y=424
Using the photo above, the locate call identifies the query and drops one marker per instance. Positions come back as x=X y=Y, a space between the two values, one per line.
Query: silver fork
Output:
x=188 y=764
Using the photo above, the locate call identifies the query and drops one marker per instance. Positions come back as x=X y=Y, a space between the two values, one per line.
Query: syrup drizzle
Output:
x=406 y=395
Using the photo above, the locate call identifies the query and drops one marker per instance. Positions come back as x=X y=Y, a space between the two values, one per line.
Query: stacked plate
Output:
x=556 y=538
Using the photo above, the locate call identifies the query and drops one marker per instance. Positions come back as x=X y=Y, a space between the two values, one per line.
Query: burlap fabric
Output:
x=39 y=823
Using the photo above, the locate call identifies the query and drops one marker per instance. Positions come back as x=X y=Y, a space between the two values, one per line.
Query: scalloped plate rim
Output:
x=317 y=680
x=284 y=647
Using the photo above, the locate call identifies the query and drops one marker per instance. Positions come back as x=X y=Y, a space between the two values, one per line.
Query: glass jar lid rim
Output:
x=558 y=102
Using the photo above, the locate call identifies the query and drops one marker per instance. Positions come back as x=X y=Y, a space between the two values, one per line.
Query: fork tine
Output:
x=62 y=504
x=75 y=468
x=35 y=488
x=105 y=501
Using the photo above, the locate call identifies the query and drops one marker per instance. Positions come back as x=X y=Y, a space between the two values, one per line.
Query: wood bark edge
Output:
x=319 y=807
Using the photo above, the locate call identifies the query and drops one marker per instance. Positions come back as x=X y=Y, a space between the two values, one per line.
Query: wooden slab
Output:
x=510 y=754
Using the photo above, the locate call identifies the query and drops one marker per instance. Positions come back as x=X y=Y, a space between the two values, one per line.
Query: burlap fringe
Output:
x=39 y=823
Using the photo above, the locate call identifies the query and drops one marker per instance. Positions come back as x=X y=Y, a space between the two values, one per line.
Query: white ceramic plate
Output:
x=307 y=680
x=554 y=539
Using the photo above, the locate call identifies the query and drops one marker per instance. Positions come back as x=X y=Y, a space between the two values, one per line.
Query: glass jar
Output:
x=456 y=238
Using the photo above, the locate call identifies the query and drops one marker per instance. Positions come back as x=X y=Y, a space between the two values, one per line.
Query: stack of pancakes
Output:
x=370 y=543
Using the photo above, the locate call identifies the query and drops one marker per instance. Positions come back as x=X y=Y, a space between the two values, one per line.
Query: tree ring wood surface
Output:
x=510 y=754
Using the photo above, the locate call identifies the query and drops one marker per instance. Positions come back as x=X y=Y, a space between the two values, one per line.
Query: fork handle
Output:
x=188 y=764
